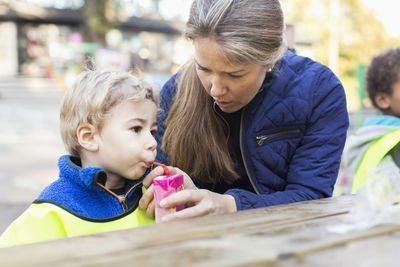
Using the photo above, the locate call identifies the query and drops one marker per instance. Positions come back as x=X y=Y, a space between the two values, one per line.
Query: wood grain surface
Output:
x=285 y=235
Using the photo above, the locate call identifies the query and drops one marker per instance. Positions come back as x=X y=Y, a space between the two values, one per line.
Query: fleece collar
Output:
x=70 y=168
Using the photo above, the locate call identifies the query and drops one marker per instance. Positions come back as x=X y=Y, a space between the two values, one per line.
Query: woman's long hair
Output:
x=248 y=31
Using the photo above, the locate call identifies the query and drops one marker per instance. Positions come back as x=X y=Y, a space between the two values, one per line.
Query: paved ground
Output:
x=29 y=142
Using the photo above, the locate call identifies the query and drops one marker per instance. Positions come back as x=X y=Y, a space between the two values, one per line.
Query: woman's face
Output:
x=232 y=84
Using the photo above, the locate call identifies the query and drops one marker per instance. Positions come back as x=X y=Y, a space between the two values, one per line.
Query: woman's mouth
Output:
x=223 y=104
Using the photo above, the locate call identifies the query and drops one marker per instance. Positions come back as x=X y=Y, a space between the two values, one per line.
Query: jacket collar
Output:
x=70 y=168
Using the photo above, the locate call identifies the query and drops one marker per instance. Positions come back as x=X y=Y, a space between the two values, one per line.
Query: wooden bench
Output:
x=286 y=235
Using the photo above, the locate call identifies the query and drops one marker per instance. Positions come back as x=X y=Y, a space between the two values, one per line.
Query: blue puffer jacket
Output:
x=293 y=133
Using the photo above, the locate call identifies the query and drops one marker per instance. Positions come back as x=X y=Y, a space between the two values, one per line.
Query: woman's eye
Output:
x=202 y=69
x=153 y=132
x=235 y=76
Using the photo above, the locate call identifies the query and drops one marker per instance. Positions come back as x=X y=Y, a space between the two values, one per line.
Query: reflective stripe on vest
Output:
x=374 y=155
x=46 y=221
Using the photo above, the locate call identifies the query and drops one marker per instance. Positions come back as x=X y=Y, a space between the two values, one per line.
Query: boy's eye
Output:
x=136 y=129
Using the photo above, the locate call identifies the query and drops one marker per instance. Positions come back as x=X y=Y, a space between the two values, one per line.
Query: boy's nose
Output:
x=151 y=143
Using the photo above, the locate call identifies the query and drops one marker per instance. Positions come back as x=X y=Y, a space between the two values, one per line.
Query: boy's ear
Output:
x=382 y=100
x=87 y=137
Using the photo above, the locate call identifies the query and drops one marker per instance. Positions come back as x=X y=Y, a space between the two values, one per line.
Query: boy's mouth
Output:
x=148 y=164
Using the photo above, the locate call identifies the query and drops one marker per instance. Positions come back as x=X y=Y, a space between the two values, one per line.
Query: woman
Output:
x=252 y=124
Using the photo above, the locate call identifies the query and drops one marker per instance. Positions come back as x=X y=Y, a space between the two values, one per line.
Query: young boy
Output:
x=107 y=123
x=379 y=138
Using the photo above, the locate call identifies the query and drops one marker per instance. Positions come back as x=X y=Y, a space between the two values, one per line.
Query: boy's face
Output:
x=126 y=143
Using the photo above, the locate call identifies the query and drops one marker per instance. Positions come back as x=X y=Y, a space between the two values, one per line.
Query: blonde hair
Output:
x=247 y=31
x=92 y=96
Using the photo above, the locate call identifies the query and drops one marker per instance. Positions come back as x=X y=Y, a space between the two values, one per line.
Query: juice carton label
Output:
x=164 y=186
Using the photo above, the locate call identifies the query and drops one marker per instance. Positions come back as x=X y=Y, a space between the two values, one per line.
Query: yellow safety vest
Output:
x=374 y=155
x=46 y=221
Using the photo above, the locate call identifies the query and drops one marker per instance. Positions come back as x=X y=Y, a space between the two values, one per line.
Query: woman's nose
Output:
x=217 y=87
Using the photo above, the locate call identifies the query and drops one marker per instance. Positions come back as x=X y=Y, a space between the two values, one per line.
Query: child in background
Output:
x=107 y=123
x=379 y=137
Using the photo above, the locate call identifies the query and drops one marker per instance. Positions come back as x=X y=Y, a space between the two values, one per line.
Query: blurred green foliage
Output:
x=361 y=36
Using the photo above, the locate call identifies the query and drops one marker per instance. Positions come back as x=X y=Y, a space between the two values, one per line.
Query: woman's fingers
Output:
x=147 y=202
x=148 y=180
x=200 y=202
x=187 y=181
x=150 y=210
x=147 y=197
x=187 y=213
x=196 y=198
x=182 y=197
x=189 y=197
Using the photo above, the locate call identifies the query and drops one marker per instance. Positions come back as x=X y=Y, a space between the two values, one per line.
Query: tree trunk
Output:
x=97 y=20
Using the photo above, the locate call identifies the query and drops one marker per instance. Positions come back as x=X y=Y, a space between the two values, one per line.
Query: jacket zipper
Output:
x=261 y=139
x=241 y=151
x=121 y=202
x=240 y=142
x=123 y=205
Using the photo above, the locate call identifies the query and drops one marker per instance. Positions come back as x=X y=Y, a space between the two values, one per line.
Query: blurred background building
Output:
x=55 y=43
x=54 y=38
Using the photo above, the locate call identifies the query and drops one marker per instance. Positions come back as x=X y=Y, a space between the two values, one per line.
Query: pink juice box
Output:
x=164 y=186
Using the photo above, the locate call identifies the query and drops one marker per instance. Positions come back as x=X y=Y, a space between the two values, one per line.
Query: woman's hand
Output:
x=198 y=203
x=147 y=200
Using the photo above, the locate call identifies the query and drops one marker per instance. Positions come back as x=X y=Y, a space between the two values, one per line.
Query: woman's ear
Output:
x=88 y=137
x=382 y=100
x=268 y=68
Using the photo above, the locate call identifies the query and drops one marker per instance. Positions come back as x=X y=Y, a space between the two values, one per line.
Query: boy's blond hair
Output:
x=92 y=96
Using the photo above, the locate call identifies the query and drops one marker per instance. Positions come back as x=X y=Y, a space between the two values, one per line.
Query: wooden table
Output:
x=285 y=235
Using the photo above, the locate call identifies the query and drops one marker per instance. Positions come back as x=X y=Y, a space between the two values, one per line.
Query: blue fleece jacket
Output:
x=293 y=133
x=77 y=191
